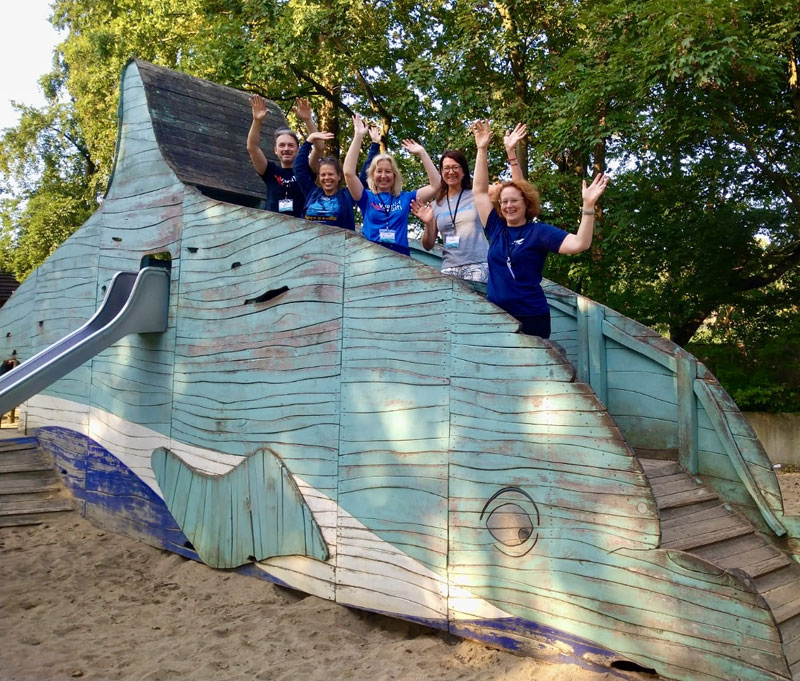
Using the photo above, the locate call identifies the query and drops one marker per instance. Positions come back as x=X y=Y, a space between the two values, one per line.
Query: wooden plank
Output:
x=786 y=604
x=597 y=351
x=24 y=463
x=583 y=364
x=790 y=633
x=714 y=413
x=647 y=349
x=677 y=482
x=765 y=565
x=656 y=468
x=690 y=536
x=10 y=508
x=749 y=553
x=16 y=445
x=744 y=546
x=23 y=519
x=29 y=486
x=687 y=411
x=777 y=579
x=691 y=496
x=698 y=514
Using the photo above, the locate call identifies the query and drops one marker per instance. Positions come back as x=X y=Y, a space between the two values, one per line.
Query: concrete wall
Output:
x=780 y=435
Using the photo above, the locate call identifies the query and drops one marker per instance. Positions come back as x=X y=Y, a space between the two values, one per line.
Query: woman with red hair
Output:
x=519 y=243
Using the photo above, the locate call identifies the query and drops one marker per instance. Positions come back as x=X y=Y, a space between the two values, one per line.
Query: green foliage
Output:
x=694 y=106
x=754 y=347
x=47 y=185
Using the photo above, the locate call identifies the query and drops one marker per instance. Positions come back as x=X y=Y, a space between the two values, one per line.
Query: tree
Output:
x=702 y=118
x=694 y=105
x=48 y=182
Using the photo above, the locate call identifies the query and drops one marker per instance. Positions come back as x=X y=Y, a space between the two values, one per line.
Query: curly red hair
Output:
x=529 y=193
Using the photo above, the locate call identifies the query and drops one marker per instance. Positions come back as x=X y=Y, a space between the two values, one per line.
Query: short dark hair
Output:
x=286 y=131
x=458 y=157
x=331 y=161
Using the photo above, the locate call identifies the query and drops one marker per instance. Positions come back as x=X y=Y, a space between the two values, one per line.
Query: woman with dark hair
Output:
x=384 y=205
x=326 y=201
x=453 y=214
x=519 y=244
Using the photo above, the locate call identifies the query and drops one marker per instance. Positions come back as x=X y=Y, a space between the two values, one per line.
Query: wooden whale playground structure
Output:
x=296 y=403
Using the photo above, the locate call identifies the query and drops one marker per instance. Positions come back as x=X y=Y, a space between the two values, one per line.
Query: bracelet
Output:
x=513 y=163
x=511 y=160
x=587 y=212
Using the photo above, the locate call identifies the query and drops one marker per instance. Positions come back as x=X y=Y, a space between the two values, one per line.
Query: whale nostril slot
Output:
x=628 y=666
x=269 y=295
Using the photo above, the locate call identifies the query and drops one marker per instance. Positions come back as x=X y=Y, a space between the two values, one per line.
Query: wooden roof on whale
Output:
x=201 y=129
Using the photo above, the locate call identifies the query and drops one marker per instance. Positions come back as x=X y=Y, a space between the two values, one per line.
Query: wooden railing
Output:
x=695 y=390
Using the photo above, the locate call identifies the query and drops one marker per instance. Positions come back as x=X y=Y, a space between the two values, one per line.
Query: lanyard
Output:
x=453 y=215
x=386 y=208
x=511 y=246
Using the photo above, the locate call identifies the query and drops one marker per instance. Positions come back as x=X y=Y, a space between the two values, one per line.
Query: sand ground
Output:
x=78 y=602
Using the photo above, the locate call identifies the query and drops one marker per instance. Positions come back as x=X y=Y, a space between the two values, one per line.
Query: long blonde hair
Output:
x=397 y=187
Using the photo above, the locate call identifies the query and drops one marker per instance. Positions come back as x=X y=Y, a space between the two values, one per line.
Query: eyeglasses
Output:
x=511 y=202
x=450 y=169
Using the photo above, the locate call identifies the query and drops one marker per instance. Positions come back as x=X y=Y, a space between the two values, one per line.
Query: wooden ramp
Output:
x=694 y=519
x=30 y=489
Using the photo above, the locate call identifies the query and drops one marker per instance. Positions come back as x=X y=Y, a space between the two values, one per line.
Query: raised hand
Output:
x=359 y=127
x=423 y=211
x=480 y=129
x=513 y=137
x=302 y=108
x=591 y=193
x=413 y=147
x=375 y=134
x=258 y=105
x=321 y=135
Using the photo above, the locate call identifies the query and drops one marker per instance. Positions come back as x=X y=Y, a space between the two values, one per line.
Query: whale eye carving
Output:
x=512 y=518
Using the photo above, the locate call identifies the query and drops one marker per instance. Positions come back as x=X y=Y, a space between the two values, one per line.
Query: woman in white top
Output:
x=454 y=217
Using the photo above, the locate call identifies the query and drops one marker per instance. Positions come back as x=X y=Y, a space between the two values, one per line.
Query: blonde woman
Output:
x=384 y=205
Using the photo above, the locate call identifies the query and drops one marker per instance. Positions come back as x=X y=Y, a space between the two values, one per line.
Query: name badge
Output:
x=386 y=236
x=285 y=206
x=451 y=241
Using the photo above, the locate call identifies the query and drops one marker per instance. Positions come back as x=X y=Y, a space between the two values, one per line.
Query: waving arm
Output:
x=434 y=179
x=510 y=141
x=258 y=106
x=480 y=181
x=577 y=243
x=424 y=212
x=354 y=184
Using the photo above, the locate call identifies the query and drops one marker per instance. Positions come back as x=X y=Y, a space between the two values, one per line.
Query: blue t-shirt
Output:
x=336 y=210
x=386 y=218
x=516 y=260
x=282 y=185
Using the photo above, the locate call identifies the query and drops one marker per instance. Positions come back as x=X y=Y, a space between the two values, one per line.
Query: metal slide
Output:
x=135 y=302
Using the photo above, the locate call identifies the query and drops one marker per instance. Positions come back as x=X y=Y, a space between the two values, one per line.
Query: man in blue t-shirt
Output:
x=284 y=194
